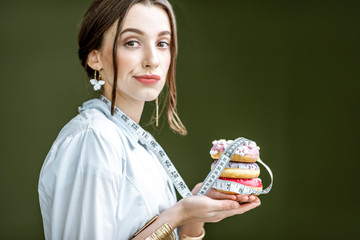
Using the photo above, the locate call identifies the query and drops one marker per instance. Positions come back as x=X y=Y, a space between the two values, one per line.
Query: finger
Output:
x=243 y=198
x=223 y=205
x=214 y=194
x=220 y=215
x=241 y=209
x=196 y=188
x=248 y=206
x=246 y=198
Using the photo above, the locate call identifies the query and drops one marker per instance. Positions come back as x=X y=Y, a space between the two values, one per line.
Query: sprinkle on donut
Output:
x=248 y=152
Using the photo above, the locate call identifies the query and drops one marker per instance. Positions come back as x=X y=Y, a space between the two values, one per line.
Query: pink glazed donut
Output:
x=249 y=152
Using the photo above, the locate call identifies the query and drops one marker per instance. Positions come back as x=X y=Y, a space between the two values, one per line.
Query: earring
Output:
x=97 y=83
x=157 y=112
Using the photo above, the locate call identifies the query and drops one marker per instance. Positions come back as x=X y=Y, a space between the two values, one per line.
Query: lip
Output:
x=148 y=79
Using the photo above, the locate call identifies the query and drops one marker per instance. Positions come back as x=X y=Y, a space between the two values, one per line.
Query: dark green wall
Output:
x=282 y=73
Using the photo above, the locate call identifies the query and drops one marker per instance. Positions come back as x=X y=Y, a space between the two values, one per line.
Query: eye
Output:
x=163 y=44
x=132 y=44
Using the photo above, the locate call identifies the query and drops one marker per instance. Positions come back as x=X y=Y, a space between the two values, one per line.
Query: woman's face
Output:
x=143 y=54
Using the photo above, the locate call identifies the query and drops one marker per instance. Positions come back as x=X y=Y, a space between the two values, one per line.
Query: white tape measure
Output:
x=148 y=140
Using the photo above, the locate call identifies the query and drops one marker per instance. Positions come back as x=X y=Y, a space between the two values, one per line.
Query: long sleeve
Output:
x=79 y=186
x=99 y=182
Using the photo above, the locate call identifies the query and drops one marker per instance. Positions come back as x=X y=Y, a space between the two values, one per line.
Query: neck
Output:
x=131 y=107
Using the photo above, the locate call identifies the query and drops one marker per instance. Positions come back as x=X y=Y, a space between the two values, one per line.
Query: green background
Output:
x=282 y=73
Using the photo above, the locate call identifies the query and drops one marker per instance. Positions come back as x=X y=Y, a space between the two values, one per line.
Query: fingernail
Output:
x=252 y=198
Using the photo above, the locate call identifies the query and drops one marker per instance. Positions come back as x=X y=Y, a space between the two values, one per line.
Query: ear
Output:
x=93 y=60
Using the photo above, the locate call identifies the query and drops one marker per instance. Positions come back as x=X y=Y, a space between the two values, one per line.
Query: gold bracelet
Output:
x=165 y=232
x=184 y=237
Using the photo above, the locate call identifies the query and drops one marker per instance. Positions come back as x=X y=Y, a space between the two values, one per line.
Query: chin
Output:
x=149 y=96
x=150 y=99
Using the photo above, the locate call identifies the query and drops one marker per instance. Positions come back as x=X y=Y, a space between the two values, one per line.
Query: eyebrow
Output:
x=135 y=30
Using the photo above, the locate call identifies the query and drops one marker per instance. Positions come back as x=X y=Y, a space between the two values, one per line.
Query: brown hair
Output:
x=100 y=15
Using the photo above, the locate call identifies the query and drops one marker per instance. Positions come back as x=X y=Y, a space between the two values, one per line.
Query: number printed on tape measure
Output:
x=182 y=185
x=153 y=143
x=135 y=126
x=174 y=174
x=167 y=163
x=161 y=153
x=125 y=118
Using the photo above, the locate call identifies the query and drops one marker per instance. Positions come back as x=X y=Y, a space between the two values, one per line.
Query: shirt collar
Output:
x=104 y=105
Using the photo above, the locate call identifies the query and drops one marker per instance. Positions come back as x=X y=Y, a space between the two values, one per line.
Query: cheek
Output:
x=126 y=63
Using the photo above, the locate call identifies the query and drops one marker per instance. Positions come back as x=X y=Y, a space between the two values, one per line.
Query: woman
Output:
x=99 y=181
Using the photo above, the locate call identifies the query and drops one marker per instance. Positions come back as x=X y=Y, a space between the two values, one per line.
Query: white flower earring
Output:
x=97 y=83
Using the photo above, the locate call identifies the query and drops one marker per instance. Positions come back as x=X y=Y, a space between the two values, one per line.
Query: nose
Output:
x=151 y=58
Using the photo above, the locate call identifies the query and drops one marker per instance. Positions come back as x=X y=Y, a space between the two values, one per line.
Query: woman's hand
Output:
x=205 y=209
x=213 y=208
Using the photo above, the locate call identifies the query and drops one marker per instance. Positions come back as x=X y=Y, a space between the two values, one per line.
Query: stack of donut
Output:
x=242 y=167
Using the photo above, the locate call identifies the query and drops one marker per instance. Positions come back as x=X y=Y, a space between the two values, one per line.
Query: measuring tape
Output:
x=148 y=140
